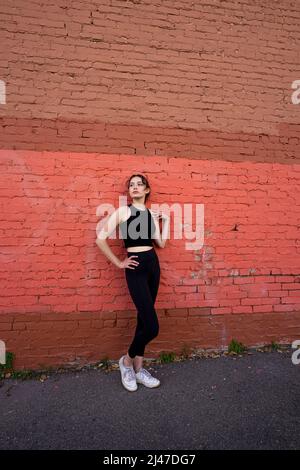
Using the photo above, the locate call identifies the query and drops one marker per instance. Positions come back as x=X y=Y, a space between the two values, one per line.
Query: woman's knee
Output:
x=153 y=331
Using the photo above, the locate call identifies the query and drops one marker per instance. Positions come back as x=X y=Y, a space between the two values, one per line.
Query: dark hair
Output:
x=144 y=180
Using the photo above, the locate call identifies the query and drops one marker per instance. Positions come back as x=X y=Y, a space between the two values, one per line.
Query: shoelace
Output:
x=130 y=373
x=146 y=373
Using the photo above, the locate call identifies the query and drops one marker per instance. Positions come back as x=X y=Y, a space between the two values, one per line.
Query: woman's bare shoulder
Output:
x=124 y=213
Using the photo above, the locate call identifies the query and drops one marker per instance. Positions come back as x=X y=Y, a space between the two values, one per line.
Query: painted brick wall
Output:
x=198 y=95
x=61 y=299
x=179 y=78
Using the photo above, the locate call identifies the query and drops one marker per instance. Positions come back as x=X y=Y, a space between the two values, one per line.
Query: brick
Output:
x=55 y=282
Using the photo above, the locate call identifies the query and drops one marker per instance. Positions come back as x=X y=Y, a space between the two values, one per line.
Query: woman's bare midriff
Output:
x=139 y=249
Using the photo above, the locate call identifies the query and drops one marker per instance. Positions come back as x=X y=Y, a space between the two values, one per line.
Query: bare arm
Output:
x=161 y=238
x=110 y=225
x=113 y=221
x=104 y=247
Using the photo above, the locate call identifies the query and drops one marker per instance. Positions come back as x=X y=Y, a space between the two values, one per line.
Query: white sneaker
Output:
x=144 y=377
x=127 y=376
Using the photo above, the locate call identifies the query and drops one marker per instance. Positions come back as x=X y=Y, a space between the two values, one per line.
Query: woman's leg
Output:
x=154 y=277
x=147 y=327
x=153 y=286
x=137 y=361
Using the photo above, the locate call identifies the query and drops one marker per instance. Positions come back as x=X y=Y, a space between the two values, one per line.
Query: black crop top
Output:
x=138 y=229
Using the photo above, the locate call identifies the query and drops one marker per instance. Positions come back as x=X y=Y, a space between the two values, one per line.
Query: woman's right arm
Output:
x=113 y=221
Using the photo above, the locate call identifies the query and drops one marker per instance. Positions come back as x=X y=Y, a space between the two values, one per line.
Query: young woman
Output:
x=139 y=227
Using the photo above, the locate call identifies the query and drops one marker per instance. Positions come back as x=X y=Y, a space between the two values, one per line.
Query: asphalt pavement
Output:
x=228 y=402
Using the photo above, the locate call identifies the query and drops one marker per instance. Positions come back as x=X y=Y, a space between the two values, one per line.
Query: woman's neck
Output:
x=139 y=206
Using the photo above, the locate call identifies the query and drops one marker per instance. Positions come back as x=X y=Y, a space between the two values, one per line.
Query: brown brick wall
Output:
x=177 y=78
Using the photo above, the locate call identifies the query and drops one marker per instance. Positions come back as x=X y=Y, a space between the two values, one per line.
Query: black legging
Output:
x=143 y=283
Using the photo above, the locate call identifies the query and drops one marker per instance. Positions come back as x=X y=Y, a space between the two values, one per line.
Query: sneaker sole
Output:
x=148 y=386
x=129 y=389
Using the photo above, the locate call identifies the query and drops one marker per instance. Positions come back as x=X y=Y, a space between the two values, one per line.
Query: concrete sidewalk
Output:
x=230 y=402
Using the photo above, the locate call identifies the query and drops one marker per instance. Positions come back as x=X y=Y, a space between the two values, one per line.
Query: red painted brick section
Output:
x=61 y=298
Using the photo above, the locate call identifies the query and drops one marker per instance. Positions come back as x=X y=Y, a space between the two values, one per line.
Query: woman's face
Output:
x=137 y=189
